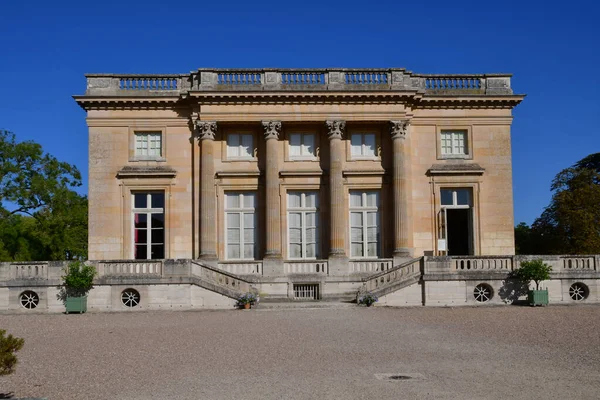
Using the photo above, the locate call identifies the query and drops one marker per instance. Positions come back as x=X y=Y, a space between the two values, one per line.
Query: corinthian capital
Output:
x=206 y=129
x=272 y=129
x=399 y=129
x=336 y=129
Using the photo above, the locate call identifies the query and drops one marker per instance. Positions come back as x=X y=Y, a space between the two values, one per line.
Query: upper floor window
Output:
x=148 y=144
x=302 y=145
x=454 y=143
x=363 y=145
x=239 y=145
x=148 y=211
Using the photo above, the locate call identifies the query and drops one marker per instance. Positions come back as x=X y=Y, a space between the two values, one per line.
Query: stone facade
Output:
x=402 y=119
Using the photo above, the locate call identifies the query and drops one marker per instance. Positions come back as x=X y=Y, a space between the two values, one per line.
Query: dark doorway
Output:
x=459 y=231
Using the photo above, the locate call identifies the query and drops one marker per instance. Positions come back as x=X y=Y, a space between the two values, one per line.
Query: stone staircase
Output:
x=394 y=279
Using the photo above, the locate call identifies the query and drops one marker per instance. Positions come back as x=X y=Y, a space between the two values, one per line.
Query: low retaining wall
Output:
x=188 y=284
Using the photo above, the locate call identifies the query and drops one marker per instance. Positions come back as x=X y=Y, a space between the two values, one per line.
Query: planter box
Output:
x=538 y=297
x=76 y=304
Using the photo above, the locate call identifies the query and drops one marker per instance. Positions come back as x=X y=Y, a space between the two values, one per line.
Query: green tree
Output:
x=8 y=346
x=41 y=217
x=571 y=223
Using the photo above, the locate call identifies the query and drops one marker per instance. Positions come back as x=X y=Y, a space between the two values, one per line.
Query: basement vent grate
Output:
x=306 y=291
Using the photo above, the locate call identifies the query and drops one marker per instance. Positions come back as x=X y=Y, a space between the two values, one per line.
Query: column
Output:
x=403 y=229
x=206 y=131
x=337 y=220
x=273 y=219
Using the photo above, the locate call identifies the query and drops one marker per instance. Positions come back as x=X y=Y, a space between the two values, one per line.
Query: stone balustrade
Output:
x=129 y=268
x=214 y=80
x=372 y=266
x=242 y=268
x=395 y=276
x=482 y=263
x=31 y=270
x=586 y=263
x=306 y=267
x=219 y=278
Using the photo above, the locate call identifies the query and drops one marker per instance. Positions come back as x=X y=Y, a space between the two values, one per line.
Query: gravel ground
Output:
x=451 y=353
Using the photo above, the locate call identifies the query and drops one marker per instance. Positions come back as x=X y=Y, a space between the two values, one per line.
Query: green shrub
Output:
x=534 y=270
x=79 y=278
x=8 y=346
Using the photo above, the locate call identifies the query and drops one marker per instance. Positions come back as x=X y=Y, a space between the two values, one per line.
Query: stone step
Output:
x=273 y=305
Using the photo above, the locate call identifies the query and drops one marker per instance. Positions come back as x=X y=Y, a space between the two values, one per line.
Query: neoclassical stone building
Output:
x=277 y=172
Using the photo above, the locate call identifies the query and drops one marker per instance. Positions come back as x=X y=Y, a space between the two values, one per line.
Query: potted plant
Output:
x=368 y=299
x=537 y=271
x=77 y=282
x=246 y=300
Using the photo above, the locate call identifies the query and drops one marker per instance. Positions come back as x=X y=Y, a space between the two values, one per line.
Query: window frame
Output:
x=376 y=151
x=141 y=130
x=364 y=209
x=253 y=147
x=148 y=211
x=468 y=138
x=241 y=211
x=302 y=157
x=303 y=210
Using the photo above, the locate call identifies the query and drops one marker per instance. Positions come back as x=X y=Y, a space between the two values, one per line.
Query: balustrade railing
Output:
x=379 y=265
x=485 y=263
x=396 y=275
x=219 y=278
x=150 y=82
x=296 y=80
x=239 y=78
x=306 y=267
x=449 y=83
x=586 y=263
x=37 y=270
x=128 y=268
x=247 y=268
x=303 y=78
x=366 y=78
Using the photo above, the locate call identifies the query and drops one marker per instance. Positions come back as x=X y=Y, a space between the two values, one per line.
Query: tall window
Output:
x=363 y=144
x=239 y=145
x=454 y=143
x=302 y=145
x=303 y=225
x=148 y=144
x=364 y=224
x=148 y=225
x=240 y=222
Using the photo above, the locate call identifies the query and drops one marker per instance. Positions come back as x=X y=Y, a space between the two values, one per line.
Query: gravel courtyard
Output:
x=450 y=353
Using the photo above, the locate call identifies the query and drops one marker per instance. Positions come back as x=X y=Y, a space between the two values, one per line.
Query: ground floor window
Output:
x=364 y=224
x=303 y=225
x=240 y=220
x=148 y=209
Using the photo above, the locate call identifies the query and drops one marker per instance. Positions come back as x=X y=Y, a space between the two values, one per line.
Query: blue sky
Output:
x=552 y=48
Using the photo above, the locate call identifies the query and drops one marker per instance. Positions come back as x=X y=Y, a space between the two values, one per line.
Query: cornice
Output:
x=132 y=102
x=301 y=97
x=466 y=102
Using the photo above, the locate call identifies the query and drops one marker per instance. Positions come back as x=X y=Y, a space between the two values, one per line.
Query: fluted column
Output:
x=273 y=220
x=337 y=234
x=206 y=131
x=403 y=229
